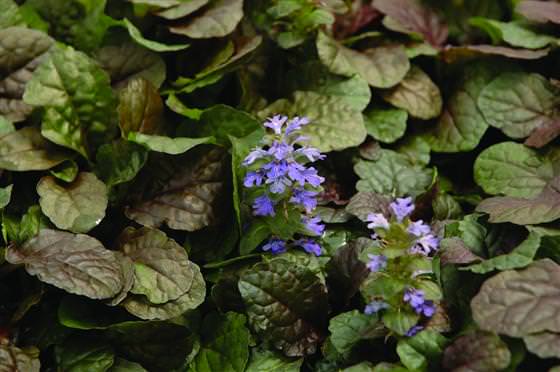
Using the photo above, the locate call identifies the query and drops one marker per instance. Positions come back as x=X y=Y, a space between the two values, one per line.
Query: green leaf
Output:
x=162 y=269
x=513 y=169
x=78 y=206
x=334 y=124
x=399 y=321
x=251 y=239
x=477 y=351
x=127 y=61
x=315 y=77
x=143 y=309
x=136 y=35
x=5 y=195
x=411 y=358
x=146 y=342
x=79 y=105
x=417 y=94
x=364 y=203
x=227 y=60
x=78 y=312
x=218 y=19
x=544 y=344
x=386 y=125
x=21 y=51
x=173 y=146
x=221 y=121
x=513 y=33
x=545 y=207
x=80 y=23
x=13 y=358
x=392 y=174
x=119 y=161
x=78 y=354
x=123 y=365
x=538 y=11
x=411 y=17
x=19 y=231
x=381 y=67
x=518 y=102
x=267 y=361
x=462 y=125
x=10 y=14
x=224 y=344
x=140 y=108
x=349 y=328
x=26 y=150
x=66 y=171
x=506 y=302
x=182 y=9
x=521 y=256
x=186 y=199
x=286 y=305
x=78 y=264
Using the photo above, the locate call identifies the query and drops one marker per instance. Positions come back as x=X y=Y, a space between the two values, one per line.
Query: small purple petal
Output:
x=377 y=220
x=253 y=179
x=275 y=123
x=310 y=246
x=375 y=306
x=263 y=206
x=376 y=262
x=418 y=228
x=414 y=330
x=402 y=207
x=313 y=224
x=305 y=198
x=254 y=155
x=296 y=123
x=275 y=246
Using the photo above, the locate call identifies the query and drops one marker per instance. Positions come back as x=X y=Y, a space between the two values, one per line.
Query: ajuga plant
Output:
x=283 y=187
x=401 y=279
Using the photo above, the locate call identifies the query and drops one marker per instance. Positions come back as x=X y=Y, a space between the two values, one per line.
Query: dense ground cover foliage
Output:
x=279 y=185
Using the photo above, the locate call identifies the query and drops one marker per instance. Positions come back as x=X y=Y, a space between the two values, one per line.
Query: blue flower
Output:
x=253 y=179
x=428 y=309
x=263 y=206
x=309 y=245
x=376 y=262
x=414 y=297
x=311 y=153
x=426 y=245
x=375 y=306
x=303 y=175
x=295 y=124
x=402 y=207
x=313 y=224
x=305 y=198
x=418 y=228
x=253 y=156
x=280 y=150
x=377 y=220
x=275 y=246
x=413 y=330
x=275 y=123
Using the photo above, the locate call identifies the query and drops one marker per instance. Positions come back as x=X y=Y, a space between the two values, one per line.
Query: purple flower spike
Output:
x=275 y=123
x=377 y=220
x=275 y=246
x=305 y=198
x=375 y=306
x=376 y=262
x=310 y=246
x=402 y=207
x=313 y=224
x=413 y=330
x=263 y=206
x=418 y=228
